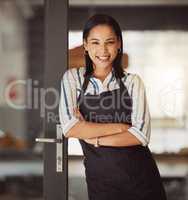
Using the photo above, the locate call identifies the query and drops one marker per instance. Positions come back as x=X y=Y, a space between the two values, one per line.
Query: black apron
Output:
x=117 y=173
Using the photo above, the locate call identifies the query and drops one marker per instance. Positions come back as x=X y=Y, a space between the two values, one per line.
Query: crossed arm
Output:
x=109 y=134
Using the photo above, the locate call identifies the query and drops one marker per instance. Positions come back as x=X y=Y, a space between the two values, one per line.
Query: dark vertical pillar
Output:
x=56 y=45
x=35 y=71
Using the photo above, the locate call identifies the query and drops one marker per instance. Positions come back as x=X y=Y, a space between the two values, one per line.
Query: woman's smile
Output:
x=103 y=58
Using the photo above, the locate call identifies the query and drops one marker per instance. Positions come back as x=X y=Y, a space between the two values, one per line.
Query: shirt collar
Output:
x=109 y=77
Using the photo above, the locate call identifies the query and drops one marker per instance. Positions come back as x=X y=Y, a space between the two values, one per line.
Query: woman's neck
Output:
x=101 y=73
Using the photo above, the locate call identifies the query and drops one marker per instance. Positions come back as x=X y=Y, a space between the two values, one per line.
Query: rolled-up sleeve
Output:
x=67 y=101
x=141 y=123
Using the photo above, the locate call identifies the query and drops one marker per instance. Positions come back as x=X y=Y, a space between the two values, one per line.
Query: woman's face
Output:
x=102 y=45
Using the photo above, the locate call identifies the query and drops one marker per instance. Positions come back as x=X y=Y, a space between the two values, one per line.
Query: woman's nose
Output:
x=103 y=48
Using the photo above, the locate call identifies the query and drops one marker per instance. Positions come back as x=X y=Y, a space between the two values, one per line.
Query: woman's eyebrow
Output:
x=94 y=39
x=111 y=38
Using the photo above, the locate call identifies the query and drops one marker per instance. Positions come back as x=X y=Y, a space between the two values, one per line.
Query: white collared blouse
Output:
x=71 y=84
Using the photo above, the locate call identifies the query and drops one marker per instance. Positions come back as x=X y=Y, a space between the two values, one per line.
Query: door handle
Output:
x=59 y=146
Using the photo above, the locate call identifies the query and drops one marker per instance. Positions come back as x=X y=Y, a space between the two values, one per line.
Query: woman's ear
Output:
x=85 y=45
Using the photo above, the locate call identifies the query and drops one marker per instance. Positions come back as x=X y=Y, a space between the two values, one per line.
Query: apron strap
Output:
x=121 y=84
x=85 y=84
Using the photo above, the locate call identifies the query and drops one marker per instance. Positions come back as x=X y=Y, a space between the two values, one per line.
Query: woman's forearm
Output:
x=122 y=139
x=85 y=129
x=117 y=140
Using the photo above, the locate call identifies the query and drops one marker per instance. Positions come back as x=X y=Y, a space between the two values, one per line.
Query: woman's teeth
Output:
x=103 y=58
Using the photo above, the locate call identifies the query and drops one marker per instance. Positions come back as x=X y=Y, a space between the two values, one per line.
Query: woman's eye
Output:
x=111 y=42
x=94 y=43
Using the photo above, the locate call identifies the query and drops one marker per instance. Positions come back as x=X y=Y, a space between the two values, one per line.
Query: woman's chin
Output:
x=103 y=65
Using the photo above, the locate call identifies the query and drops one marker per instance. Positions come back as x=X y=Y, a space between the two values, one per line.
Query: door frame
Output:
x=56 y=50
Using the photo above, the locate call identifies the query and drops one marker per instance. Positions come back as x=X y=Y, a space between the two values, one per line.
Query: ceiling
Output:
x=127 y=2
x=116 y=2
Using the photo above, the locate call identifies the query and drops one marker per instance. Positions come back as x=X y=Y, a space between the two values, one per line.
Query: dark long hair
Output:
x=102 y=19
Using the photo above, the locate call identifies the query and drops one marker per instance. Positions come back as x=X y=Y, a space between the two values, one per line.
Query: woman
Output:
x=106 y=109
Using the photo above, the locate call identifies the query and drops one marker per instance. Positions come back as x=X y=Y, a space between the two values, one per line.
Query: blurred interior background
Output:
x=155 y=36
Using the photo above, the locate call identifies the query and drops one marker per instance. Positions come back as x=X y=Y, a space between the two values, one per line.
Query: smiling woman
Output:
x=117 y=160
